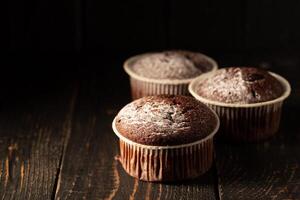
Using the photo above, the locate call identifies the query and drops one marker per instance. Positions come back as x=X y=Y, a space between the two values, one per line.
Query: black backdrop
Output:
x=134 y=26
x=59 y=38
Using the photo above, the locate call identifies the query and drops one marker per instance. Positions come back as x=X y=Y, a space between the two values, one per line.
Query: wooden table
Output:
x=56 y=140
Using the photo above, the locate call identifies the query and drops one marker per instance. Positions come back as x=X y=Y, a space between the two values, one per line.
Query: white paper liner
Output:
x=166 y=163
x=141 y=86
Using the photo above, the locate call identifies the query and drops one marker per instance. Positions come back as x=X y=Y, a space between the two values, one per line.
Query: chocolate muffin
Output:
x=167 y=72
x=165 y=120
x=248 y=100
x=240 y=85
x=174 y=133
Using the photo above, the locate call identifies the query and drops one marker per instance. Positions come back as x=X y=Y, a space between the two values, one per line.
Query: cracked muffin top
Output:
x=165 y=120
x=173 y=65
x=241 y=85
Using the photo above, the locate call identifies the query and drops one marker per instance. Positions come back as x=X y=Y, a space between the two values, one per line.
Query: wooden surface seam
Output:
x=67 y=129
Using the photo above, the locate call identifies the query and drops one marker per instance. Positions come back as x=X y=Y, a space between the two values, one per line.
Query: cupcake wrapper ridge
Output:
x=141 y=88
x=166 y=164
x=248 y=124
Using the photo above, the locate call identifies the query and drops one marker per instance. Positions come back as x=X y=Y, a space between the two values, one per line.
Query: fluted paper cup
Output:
x=166 y=163
x=141 y=86
x=246 y=122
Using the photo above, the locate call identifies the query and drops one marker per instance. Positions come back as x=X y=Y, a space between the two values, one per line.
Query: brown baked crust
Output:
x=165 y=120
x=175 y=64
x=241 y=85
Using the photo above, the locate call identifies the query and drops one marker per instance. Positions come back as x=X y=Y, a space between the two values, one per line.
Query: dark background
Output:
x=53 y=40
x=134 y=26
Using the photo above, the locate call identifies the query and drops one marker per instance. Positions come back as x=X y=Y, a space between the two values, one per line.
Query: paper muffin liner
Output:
x=166 y=163
x=141 y=86
x=246 y=122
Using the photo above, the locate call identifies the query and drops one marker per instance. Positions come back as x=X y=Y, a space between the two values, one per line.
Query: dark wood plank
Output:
x=34 y=125
x=89 y=169
x=269 y=170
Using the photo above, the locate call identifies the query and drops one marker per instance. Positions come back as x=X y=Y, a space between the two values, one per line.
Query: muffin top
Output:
x=241 y=85
x=165 y=120
x=171 y=65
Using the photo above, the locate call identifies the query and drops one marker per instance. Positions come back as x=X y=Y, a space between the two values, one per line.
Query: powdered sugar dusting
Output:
x=166 y=65
x=160 y=114
x=165 y=120
x=240 y=85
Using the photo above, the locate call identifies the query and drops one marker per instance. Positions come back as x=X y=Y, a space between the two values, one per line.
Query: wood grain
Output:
x=32 y=134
